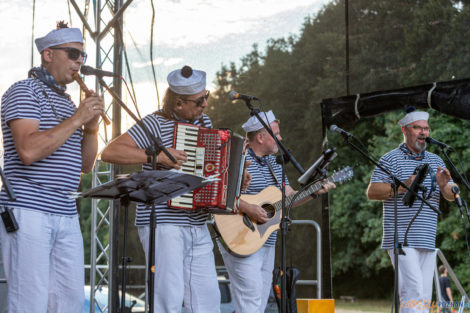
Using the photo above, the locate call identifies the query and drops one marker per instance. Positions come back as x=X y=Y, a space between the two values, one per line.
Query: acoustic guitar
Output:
x=243 y=236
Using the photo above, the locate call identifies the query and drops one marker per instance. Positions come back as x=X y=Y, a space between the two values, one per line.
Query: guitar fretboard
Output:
x=303 y=194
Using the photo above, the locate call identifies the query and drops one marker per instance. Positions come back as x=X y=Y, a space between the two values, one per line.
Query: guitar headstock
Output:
x=343 y=175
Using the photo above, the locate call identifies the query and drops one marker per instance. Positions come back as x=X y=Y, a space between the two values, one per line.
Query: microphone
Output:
x=431 y=141
x=420 y=171
x=322 y=162
x=456 y=192
x=330 y=155
x=88 y=70
x=233 y=95
x=340 y=131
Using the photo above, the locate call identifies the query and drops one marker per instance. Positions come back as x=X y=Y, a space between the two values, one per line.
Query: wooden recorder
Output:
x=87 y=91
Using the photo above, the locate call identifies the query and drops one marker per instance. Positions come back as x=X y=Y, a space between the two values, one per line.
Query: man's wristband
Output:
x=236 y=208
x=149 y=152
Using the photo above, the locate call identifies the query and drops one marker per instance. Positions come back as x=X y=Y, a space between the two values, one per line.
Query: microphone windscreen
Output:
x=333 y=127
x=86 y=70
x=233 y=95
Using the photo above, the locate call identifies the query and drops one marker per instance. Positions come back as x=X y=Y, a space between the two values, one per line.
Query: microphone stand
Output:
x=464 y=225
x=125 y=259
x=467 y=185
x=284 y=150
x=157 y=141
x=397 y=247
x=152 y=152
x=285 y=220
x=465 y=182
x=466 y=209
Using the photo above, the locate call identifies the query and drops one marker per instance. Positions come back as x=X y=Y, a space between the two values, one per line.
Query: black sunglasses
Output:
x=199 y=101
x=72 y=53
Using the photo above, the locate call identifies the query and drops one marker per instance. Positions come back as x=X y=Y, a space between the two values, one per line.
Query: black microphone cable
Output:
x=464 y=225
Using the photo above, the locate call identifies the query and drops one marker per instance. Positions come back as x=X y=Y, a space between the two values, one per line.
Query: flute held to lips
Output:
x=87 y=91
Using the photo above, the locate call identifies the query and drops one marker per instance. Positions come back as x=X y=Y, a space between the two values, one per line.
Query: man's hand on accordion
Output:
x=179 y=155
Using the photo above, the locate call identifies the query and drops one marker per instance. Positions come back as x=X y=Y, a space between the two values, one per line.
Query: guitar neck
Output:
x=303 y=194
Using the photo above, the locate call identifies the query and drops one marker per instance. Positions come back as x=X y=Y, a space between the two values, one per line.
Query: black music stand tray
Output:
x=147 y=187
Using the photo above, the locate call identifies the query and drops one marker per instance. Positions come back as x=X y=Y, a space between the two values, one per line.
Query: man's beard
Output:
x=420 y=147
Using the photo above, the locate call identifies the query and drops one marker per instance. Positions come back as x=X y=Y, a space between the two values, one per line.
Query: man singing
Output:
x=416 y=267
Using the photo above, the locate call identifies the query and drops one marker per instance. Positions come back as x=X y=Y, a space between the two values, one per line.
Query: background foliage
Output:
x=393 y=44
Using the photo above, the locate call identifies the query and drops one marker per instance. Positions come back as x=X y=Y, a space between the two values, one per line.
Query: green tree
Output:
x=393 y=44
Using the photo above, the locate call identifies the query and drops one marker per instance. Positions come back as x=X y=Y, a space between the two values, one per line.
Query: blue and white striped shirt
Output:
x=44 y=185
x=164 y=129
x=422 y=233
x=263 y=178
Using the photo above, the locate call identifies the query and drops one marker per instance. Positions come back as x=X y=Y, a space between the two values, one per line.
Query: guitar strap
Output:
x=272 y=173
x=262 y=161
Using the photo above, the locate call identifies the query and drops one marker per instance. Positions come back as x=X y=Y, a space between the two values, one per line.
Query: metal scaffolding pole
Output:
x=108 y=39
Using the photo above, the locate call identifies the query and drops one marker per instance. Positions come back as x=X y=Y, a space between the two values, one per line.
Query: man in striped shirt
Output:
x=251 y=277
x=47 y=142
x=184 y=260
x=416 y=267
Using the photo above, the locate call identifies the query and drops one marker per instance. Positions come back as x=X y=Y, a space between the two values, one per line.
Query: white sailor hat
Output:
x=187 y=81
x=253 y=124
x=58 y=37
x=413 y=116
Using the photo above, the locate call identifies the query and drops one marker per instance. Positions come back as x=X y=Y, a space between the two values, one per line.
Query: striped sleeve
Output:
x=379 y=175
x=140 y=136
x=21 y=102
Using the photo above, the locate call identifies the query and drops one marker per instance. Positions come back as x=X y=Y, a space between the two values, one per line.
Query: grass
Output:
x=368 y=305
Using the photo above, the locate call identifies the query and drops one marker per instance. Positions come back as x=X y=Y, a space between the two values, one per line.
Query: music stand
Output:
x=144 y=187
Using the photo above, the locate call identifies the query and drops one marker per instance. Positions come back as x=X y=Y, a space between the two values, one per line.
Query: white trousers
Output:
x=184 y=269
x=3 y=286
x=43 y=263
x=415 y=277
x=250 y=278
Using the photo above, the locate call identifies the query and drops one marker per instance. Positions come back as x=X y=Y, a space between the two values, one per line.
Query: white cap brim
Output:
x=413 y=117
x=59 y=37
x=253 y=124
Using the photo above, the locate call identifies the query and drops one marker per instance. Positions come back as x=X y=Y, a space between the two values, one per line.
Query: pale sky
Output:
x=201 y=33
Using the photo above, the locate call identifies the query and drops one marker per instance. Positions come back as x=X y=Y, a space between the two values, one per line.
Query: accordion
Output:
x=211 y=152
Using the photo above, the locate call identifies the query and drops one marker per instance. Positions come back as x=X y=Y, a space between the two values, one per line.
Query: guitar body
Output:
x=242 y=236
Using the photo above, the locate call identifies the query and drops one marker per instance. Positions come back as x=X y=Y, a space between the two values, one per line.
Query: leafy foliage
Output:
x=392 y=44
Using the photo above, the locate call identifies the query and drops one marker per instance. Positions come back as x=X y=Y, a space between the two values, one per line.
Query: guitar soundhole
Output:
x=270 y=210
